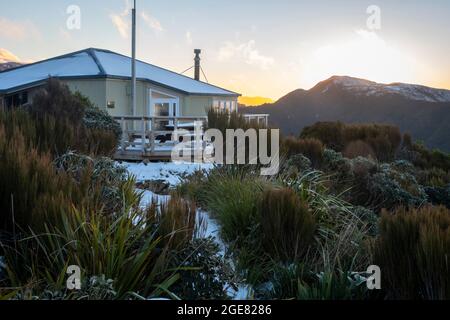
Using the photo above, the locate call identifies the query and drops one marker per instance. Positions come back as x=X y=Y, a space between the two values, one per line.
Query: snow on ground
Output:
x=148 y=197
x=170 y=172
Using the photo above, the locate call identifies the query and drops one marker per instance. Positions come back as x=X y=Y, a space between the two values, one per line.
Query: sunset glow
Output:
x=286 y=45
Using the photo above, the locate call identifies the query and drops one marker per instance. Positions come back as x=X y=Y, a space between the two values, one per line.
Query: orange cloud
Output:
x=17 y=30
x=8 y=56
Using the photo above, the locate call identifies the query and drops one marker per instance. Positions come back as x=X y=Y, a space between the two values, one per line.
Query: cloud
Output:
x=8 y=56
x=122 y=20
x=151 y=22
x=189 y=37
x=121 y=24
x=246 y=51
x=18 y=30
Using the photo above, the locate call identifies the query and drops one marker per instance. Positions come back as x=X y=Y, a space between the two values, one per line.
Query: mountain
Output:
x=254 y=101
x=422 y=111
x=9 y=65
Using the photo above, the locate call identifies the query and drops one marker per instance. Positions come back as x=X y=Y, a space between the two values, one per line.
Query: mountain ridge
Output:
x=422 y=111
x=9 y=65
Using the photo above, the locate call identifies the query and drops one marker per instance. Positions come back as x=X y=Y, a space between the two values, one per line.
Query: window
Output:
x=225 y=105
x=233 y=106
x=16 y=100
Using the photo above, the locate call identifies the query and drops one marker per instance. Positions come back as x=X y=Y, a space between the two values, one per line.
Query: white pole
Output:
x=133 y=62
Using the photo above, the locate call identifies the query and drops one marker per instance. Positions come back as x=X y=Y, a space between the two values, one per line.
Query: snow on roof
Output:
x=102 y=63
x=78 y=64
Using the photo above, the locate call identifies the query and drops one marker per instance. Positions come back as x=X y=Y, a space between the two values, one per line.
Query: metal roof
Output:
x=98 y=63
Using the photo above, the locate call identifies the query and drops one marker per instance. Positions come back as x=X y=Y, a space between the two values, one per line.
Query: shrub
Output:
x=296 y=282
x=176 y=219
x=204 y=273
x=287 y=225
x=313 y=149
x=358 y=148
x=104 y=175
x=341 y=230
x=407 y=141
x=66 y=121
x=57 y=136
x=390 y=188
x=330 y=133
x=232 y=197
x=334 y=162
x=95 y=288
x=383 y=140
x=427 y=159
x=234 y=121
x=439 y=195
x=192 y=186
x=125 y=248
x=57 y=101
x=97 y=119
x=33 y=190
x=413 y=253
x=433 y=177
x=30 y=190
x=297 y=164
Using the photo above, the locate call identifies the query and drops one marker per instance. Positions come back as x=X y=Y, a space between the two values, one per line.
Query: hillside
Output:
x=8 y=65
x=422 y=111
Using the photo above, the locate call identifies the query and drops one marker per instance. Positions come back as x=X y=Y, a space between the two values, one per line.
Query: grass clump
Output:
x=124 y=248
x=413 y=252
x=383 y=141
x=287 y=225
x=232 y=197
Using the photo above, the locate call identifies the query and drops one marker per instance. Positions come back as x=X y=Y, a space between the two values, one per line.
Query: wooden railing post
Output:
x=144 y=135
x=152 y=142
x=175 y=129
x=124 y=134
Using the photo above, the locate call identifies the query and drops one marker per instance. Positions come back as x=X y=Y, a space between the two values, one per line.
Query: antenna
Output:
x=133 y=61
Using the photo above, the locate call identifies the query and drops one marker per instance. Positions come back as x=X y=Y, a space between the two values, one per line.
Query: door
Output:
x=164 y=108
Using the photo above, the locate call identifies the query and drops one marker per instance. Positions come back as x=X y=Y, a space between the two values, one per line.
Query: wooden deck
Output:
x=150 y=138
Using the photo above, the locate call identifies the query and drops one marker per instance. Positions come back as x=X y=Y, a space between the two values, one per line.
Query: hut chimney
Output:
x=197 y=64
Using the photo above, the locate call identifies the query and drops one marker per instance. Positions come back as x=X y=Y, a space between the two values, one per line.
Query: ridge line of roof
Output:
x=102 y=72
x=46 y=60
x=161 y=68
x=93 y=55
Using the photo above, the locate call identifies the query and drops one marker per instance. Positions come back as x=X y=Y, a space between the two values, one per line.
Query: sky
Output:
x=255 y=47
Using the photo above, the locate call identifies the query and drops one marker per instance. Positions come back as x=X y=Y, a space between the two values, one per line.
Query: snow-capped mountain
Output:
x=422 y=111
x=9 y=65
x=369 y=88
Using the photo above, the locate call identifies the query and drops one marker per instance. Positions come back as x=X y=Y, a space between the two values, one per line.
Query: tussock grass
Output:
x=413 y=251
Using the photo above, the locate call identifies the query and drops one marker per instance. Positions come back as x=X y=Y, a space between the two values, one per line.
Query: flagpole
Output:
x=133 y=61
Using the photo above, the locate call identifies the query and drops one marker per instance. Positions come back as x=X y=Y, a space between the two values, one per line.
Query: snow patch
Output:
x=170 y=172
x=410 y=91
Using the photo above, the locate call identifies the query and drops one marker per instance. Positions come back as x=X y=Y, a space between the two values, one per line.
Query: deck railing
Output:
x=260 y=119
x=151 y=137
x=140 y=133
